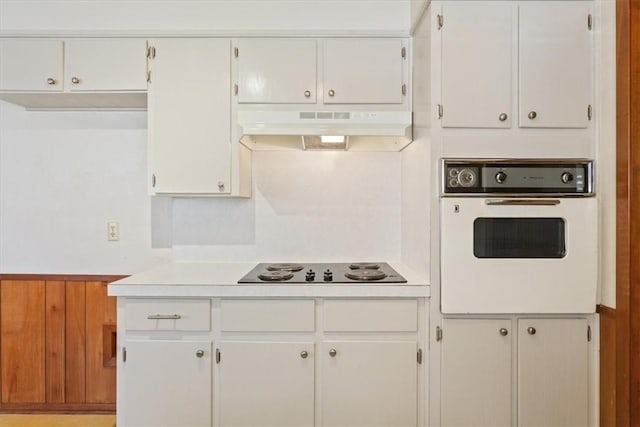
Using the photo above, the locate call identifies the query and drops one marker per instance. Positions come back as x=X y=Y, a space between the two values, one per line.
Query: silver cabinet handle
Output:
x=333 y=352
x=164 y=317
x=504 y=332
x=51 y=81
x=520 y=202
x=332 y=92
x=200 y=354
x=304 y=354
x=502 y=117
x=532 y=115
x=307 y=93
x=220 y=186
x=531 y=330
x=75 y=80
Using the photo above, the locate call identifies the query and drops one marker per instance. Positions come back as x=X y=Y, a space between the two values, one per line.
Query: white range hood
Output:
x=325 y=130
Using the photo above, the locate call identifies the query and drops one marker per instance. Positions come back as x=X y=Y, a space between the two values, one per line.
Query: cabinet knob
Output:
x=532 y=115
x=304 y=354
x=504 y=332
x=75 y=80
x=332 y=92
x=200 y=354
x=531 y=330
x=220 y=186
x=307 y=93
x=51 y=81
x=502 y=117
x=333 y=352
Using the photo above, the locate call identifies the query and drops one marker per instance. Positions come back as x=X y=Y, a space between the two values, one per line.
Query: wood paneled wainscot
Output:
x=57 y=341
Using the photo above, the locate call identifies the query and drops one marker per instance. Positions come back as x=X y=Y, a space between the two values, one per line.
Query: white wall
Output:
x=205 y=15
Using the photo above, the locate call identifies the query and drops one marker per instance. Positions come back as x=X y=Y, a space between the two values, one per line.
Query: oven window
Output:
x=519 y=238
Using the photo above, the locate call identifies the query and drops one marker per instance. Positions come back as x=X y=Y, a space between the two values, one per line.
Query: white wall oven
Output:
x=518 y=236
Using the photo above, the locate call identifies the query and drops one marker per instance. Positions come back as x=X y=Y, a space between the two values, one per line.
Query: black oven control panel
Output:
x=517 y=177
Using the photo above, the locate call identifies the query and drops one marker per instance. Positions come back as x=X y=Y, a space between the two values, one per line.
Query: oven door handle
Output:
x=521 y=202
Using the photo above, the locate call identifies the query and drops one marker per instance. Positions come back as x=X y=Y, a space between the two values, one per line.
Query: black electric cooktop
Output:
x=323 y=273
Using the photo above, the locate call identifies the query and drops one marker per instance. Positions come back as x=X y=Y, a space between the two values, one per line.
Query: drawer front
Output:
x=168 y=315
x=370 y=315
x=268 y=315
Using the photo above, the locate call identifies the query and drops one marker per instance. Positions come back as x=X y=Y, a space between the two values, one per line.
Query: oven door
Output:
x=518 y=255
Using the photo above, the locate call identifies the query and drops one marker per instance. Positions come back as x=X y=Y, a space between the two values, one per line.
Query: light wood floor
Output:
x=57 y=420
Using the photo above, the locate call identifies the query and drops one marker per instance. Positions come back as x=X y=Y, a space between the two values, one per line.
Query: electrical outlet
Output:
x=113 y=231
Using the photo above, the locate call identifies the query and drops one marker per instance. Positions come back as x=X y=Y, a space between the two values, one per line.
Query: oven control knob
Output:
x=310 y=276
x=467 y=178
x=501 y=177
x=567 y=177
x=328 y=276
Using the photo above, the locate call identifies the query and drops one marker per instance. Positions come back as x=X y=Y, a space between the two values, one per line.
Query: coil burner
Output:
x=275 y=276
x=365 y=275
x=285 y=267
x=364 y=266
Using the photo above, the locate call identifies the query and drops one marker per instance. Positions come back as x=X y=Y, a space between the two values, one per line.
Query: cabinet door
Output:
x=166 y=384
x=189 y=116
x=107 y=65
x=477 y=46
x=31 y=65
x=267 y=383
x=476 y=372
x=555 y=65
x=276 y=71
x=553 y=372
x=369 y=383
x=363 y=71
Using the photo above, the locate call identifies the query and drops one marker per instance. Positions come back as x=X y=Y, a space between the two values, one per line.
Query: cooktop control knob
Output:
x=310 y=276
x=328 y=276
x=501 y=177
x=567 y=177
x=467 y=178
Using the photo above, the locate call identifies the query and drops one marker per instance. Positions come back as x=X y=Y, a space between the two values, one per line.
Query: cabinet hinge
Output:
x=235 y=89
x=148 y=76
x=404 y=89
x=589 y=333
x=589 y=112
x=439 y=112
x=440 y=21
x=590 y=21
x=218 y=356
x=438 y=333
x=153 y=180
x=419 y=356
x=404 y=53
x=236 y=52
x=124 y=354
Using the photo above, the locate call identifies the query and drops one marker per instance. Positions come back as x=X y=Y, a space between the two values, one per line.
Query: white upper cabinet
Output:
x=276 y=70
x=189 y=116
x=363 y=71
x=106 y=64
x=31 y=65
x=538 y=56
x=555 y=65
x=477 y=65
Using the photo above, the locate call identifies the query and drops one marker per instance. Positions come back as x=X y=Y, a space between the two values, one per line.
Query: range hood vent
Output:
x=325 y=130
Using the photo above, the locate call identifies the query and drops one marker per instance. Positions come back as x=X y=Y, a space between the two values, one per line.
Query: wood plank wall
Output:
x=620 y=329
x=56 y=343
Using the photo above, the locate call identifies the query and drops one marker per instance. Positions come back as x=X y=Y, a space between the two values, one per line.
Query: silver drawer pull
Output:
x=164 y=317
x=507 y=202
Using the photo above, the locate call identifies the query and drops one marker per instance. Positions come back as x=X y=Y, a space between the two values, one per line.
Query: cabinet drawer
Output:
x=370 y=315
x=268 y=315
x=168 y=315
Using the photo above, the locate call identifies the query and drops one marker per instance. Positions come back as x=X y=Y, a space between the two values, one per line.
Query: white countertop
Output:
x=212 y=279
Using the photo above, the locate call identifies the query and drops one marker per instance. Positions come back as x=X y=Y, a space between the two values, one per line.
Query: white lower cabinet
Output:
x=549 y=358
x=369 y=383
x=166 y=383
x=267 y=383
